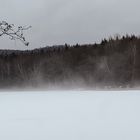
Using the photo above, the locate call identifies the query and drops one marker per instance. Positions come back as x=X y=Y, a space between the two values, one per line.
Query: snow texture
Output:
x=70 y=115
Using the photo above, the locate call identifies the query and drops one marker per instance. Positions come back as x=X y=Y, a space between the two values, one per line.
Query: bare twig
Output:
x=12 y=32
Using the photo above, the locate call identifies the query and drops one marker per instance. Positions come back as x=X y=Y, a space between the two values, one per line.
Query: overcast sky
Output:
x=69 y=21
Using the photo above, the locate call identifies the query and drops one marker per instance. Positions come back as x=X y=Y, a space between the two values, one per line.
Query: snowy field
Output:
x=75 y=115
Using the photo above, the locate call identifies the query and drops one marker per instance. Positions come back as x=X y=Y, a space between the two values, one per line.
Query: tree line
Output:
x=113 y=63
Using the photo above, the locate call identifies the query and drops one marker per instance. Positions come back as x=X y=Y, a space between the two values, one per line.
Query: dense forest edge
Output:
x=113 y=63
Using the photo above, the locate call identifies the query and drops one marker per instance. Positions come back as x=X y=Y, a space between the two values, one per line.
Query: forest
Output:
x=113 y=63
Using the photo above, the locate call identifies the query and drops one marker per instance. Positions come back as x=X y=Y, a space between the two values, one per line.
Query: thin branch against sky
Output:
x=12 y=32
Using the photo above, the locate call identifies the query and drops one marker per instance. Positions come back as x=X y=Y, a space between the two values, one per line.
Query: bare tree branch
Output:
x=12 y=32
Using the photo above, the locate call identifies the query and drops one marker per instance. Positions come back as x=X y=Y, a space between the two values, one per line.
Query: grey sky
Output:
x=69 y=21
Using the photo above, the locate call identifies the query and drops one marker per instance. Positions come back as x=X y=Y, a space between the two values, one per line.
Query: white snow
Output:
x=70 y=115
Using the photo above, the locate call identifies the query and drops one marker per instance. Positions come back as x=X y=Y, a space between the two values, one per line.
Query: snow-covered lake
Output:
x=65 y=115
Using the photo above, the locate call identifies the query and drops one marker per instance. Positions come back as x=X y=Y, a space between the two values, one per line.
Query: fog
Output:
x=65 y=21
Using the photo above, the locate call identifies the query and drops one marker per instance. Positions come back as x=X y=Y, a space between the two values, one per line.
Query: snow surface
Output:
x=70 y=115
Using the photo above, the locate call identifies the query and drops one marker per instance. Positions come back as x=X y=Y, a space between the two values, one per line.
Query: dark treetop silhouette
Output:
x=12 y=32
